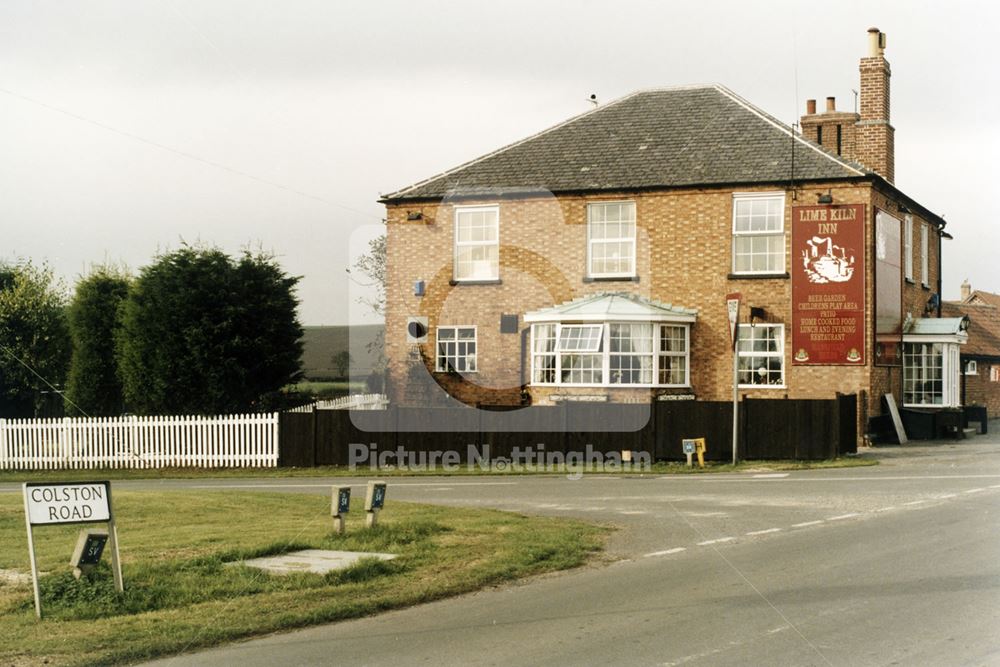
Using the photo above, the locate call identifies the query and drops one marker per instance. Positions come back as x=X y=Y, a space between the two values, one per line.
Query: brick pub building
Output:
x=591 y=261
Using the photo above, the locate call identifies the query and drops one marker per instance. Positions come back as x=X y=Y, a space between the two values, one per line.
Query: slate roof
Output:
x=701 y=135
x=984 y=327
x=605 y=306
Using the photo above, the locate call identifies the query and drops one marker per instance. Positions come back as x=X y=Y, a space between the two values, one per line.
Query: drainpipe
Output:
x=940 y=282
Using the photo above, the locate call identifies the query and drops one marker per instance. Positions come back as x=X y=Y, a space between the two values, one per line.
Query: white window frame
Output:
x=740 y=197
x=925 y=259
x=950 y=370
x=589 y=343
x=605 y=352
x=621 y=239
x=457 y=244
x=440 y=367
x=908 y=247
x=747 y=330
x=972 y=367
x=660 y=354
x=994 y=373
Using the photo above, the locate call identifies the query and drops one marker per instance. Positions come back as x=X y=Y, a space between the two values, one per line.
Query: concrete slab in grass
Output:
x=316 y=561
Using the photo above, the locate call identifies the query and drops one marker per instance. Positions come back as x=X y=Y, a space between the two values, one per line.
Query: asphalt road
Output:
x=894 y=564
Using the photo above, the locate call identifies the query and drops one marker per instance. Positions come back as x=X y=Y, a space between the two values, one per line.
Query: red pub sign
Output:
x=828 y=285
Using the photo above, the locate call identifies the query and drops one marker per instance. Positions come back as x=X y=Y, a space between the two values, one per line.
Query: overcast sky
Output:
x=126 y=127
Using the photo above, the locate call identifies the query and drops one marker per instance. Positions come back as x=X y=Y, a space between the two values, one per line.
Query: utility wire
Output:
x=180 y=153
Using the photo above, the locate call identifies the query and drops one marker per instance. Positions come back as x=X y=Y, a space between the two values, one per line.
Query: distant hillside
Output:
x=320 y=344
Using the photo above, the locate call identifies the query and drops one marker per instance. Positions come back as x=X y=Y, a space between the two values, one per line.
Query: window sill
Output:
x=763 y=387
x=909 y=281
x=611 y=279
x=455 y=283
x=758 y=276
x=925 y=287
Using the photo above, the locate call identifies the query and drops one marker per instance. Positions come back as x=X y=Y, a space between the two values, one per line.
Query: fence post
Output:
x=314 y=438
x=4 y=457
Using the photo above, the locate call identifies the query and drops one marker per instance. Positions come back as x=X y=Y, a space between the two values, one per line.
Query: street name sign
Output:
x=58 y=503
x=67 y=503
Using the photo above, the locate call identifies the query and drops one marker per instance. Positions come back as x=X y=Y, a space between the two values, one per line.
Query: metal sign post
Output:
x=733 y=310
x=60 y=503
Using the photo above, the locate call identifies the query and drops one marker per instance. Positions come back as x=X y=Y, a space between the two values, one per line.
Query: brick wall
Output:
x=980 y=390
x=684 y=256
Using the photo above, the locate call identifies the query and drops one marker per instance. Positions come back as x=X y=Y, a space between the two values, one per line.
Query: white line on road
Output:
x=948 y=495
x=764 y=532
x=633 y=512
x=807 y=523
x=995 y=486
x=666 y=552
x=914 y=502
x=718 y=541
x=327 y=485
x=975 y=490
x=844 y=516
x=886 y=509
x=771 y=475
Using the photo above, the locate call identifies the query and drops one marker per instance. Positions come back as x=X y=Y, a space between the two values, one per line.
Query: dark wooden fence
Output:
x=770 y=429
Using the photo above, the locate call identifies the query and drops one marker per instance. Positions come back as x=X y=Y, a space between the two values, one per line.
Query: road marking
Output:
x=718 y=541
x=844 y=516
x=948 y=495
x=807 y=523
x=633 y=512
x=914 y=502
x=975 y=490
x=995 y=486
x=886 y=509
x=665 y=552
x=771 y=475
x=764 y=532
x=327 y=485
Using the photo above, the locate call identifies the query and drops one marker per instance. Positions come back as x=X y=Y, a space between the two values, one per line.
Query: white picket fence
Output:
x=353 y=402
x=225 y=441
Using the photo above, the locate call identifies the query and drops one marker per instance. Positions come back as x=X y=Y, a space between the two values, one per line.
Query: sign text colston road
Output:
x=67 y=503
x=828 y=285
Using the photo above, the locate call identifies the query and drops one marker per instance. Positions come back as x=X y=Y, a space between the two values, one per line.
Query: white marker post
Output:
x=733 y=310
x=59 y=503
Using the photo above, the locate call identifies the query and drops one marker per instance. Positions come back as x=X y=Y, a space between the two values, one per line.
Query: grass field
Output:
x=181 y=594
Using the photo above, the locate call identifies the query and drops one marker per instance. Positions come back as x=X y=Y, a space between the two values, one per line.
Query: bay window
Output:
x=641 y=354
x=931 y=373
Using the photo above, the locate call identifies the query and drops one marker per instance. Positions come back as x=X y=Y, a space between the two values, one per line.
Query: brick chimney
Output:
x=865 y=137
x=875 y=136
x=966 y=290
x=832 y=129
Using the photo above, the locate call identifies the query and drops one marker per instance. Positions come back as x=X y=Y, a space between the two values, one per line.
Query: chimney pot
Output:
x=831 y=104
x=966 y=290
x=810 y=107
x=876 y=43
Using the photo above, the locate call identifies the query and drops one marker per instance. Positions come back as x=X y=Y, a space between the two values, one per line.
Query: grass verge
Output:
x=338 y=471
x=182 y=594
